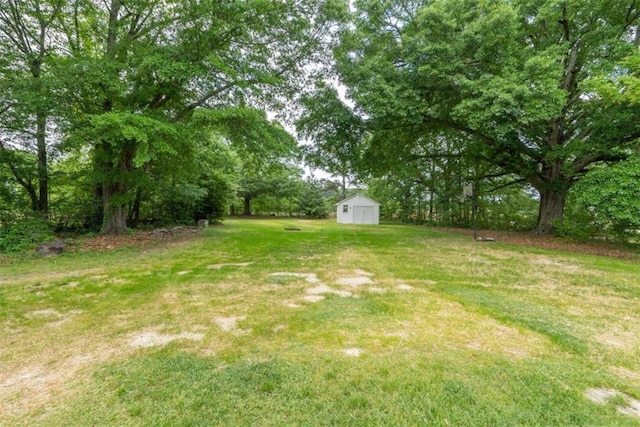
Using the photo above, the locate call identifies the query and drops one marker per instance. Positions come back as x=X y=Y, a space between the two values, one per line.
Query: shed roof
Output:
x=357 y=195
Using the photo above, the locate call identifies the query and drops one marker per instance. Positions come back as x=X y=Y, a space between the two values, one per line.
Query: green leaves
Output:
x=534 y=86
x=145 y=136
x=610 y=195
x=248 y=130
x=335 y=133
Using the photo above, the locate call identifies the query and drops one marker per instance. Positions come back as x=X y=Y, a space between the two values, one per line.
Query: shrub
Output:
x=607 y=200
x=25 y=234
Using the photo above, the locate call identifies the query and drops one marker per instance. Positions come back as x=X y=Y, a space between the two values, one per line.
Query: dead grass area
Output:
x=35 y=376
x=458 y=309
x=533 y=240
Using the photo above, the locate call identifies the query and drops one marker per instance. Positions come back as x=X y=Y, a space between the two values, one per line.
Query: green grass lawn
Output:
x=250 y=324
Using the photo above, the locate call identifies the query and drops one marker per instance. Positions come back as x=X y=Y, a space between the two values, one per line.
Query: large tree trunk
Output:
x=247 y=206
x=115 y=214
x=33 y=196
x=114 y=189
x=133 y=216
x=43 y=173
x=41 y=121
x=551 y=210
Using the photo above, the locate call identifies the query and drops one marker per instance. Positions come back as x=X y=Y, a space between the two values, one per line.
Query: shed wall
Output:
x=359 y=210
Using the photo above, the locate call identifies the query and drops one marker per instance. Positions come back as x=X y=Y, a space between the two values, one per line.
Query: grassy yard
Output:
x=250 y=324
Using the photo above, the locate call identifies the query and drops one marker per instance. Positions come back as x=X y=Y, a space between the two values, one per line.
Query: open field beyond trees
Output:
x=251 y=324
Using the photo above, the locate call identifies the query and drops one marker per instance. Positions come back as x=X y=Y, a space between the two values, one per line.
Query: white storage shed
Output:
x=358 y=209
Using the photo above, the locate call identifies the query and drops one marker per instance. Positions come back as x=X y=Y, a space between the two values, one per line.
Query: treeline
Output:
x=117 y=112
x=527 y=101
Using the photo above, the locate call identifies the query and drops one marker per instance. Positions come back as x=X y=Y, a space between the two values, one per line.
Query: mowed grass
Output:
x=251 y=324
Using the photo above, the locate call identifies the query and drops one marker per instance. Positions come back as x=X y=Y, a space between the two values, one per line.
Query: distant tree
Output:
x=17 y=168
x=311 y=201
x=16 y=173
x=335 y=133
x=268 y=179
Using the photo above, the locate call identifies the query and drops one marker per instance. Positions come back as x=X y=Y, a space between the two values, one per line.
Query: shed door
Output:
x=363 y=214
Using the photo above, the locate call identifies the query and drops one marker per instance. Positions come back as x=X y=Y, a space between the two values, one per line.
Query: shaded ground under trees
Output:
x=535 y=240
x=182 y=233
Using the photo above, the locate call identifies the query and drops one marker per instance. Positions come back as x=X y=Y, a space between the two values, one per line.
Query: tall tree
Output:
x=141 y=73
x=512 y=77
x=266 y=151
x=335 y=133
x=26 y=47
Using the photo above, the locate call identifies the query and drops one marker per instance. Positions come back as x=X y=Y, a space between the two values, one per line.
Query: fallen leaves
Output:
x=134 y=239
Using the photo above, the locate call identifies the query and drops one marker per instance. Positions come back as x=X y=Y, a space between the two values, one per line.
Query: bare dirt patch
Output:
x=39 y=380
x=625 y=373
x=602 y=396
x=228 y=324
x=354 y=281
x=545 y=261
x=315 y=293
x=324 y=289
x=52 y=317
x=619 y=337
x=229 y=264
x=308 y=277
x=293 y=305
x=153 y=339
x=136 y=239
x=352 y=352
x=47 y=313
x=362 y=273
x=534 y=240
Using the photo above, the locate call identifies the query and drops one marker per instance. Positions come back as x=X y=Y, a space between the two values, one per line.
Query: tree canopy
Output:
x=112 y=111
x=515 y=79
x=136 y=82
x=336 y=134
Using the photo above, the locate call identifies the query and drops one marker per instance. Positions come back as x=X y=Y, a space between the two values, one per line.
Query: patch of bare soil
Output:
x=228 y=324
x=602 y=396
x=352 y=352
x=232 y=264
x=554 y=243
x=354 y=281
x=151 y=338
x=135 y=239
